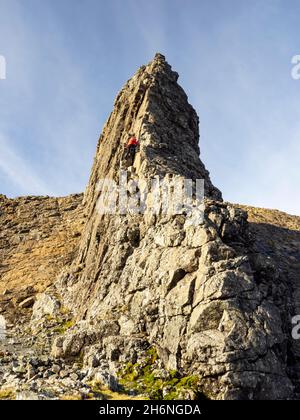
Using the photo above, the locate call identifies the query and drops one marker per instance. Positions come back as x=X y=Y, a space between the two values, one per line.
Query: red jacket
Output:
x=132 y=142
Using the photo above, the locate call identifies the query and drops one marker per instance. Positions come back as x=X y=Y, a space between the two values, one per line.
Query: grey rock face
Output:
x=193 y=291
x=44 y=305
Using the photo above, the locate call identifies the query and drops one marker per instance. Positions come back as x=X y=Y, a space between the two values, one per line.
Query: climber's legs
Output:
x=131 y=154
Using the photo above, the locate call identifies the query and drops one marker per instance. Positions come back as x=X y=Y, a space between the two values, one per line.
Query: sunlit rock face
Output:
x=203 y=294
x=207 y=293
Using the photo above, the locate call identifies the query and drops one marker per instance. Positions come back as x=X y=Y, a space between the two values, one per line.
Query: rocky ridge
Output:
x=163 y=307
x=38 y=238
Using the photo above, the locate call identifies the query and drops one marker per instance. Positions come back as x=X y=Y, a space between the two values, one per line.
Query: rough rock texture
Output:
x=277 y=238
x=155 y=298
x=154 y=107
x=38 y=238
x=202 y=295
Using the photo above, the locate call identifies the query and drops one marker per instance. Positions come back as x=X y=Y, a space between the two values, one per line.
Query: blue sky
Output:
x=67 y=59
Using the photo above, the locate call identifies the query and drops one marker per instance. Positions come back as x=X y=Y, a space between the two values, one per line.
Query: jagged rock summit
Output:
x=198 y=294
x=155 y=108
x=166 y=305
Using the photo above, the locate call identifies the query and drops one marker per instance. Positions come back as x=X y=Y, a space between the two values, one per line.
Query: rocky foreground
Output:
x=30 y=367
x=159 y=306
x=31 y=370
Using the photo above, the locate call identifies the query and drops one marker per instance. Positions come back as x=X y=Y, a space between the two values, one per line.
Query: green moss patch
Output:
x=148 y=379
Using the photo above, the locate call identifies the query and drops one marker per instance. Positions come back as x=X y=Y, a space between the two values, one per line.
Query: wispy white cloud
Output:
x=19 y=171
x=46 y=111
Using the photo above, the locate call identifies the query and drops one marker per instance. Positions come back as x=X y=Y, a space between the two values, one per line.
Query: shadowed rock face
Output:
x=203 y=295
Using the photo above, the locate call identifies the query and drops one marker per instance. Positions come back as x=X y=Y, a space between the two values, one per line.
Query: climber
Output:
x=131 y=146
